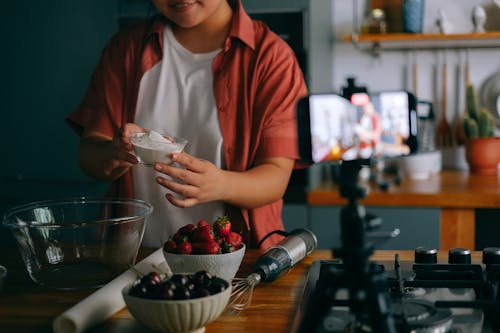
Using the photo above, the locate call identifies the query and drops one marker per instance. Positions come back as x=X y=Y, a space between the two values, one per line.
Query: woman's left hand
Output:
x=199 y=181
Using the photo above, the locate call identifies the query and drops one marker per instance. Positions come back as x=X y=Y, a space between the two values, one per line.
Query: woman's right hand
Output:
x=108 y=158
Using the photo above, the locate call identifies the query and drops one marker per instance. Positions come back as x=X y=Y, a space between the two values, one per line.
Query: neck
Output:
x=209 y=35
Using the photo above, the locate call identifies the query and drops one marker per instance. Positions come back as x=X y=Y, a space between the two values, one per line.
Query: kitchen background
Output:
x=50 y=49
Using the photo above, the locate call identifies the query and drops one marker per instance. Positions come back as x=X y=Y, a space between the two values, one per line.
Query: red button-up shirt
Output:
x=257 y=82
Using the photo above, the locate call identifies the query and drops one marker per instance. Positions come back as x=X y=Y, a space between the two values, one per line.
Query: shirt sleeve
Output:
x=102 y=107
x=280 y=87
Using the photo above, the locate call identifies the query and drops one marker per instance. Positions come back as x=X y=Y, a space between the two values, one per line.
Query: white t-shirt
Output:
x=176 y=97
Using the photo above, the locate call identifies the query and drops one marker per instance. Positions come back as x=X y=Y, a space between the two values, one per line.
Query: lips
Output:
x=182 y=4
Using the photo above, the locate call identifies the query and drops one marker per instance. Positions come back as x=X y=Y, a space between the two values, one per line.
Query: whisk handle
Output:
x=273 y=264
x=279 y=259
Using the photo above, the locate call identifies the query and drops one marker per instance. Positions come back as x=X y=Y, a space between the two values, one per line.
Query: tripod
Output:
x=368 y=300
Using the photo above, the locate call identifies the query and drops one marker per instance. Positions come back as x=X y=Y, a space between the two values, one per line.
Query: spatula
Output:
x=444 y=135
x=459 y=127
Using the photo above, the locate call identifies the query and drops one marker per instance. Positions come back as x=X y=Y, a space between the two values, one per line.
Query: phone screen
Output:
x=332 y=128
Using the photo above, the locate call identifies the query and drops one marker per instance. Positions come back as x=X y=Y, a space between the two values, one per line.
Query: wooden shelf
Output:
x=376 y=43
x=408 y=37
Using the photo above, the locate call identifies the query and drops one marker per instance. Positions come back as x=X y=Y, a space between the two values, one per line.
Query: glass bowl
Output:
x=78 y=243
x=151 y=147
x=3 y=276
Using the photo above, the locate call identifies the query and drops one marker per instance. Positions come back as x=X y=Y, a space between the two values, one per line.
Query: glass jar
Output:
x=375 y=22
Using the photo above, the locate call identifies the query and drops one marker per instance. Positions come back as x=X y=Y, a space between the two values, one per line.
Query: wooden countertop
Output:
x=25 y=307
x=456 y=193
x=447 y=189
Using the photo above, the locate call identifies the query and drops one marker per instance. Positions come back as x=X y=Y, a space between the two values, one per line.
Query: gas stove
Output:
x=425 y=296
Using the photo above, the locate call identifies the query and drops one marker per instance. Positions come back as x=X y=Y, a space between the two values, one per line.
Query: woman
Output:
x=205 y=71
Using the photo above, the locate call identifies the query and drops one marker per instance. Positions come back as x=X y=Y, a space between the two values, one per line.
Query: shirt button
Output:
x=229 y=150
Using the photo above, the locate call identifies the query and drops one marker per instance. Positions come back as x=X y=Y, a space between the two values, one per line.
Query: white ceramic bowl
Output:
x=421 y=165
x=176 y=316
x=148 y=150
x=223 y=265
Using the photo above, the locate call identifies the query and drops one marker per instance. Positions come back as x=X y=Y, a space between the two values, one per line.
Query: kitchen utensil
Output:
x=78 y=243
x=415 y=76
x=276 y=261
x=426 y=126
x=444 y=135
x=459 y=126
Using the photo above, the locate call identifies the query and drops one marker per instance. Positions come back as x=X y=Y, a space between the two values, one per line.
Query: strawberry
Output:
x=170 y=246
x=187 y=229
x=234 y=239
x=202 y=223
x=210 y=247
x=222 y=226
x=184 y=248
x=179 y=238
x=203 y=234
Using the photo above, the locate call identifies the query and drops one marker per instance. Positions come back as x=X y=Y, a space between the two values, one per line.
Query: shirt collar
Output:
x=242 y=26
x=157 y=28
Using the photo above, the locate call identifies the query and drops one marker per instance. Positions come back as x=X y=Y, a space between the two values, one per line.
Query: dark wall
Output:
x=49 y=49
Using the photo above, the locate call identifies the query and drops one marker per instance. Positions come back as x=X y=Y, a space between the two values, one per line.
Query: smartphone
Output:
x=333 y=128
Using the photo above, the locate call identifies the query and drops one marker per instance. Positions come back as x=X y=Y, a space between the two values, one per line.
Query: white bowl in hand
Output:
x=151 y=147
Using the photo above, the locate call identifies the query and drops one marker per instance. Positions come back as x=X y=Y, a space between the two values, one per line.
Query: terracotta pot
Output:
x=483 y=155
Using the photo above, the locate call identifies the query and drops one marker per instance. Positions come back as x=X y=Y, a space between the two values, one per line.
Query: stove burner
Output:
x=419 y=316
x=412 y=316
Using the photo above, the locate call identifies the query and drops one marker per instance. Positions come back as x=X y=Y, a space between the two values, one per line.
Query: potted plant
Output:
x=482 y=147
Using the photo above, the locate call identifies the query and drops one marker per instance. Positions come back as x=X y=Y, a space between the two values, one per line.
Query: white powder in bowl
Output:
x=153 y=147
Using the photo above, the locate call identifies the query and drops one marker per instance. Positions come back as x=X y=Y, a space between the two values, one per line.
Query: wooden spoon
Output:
x=444 y=136
x=459 y=126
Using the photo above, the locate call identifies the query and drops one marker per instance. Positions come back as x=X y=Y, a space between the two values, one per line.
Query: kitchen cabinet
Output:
x=418 y=226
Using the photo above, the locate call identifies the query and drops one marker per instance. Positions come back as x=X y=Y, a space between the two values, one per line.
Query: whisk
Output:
x=241 y=296
x=276 y=261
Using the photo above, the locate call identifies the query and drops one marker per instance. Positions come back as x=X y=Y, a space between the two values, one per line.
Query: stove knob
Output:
x=459 y=256
x=491 y=255
x=425 y=255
